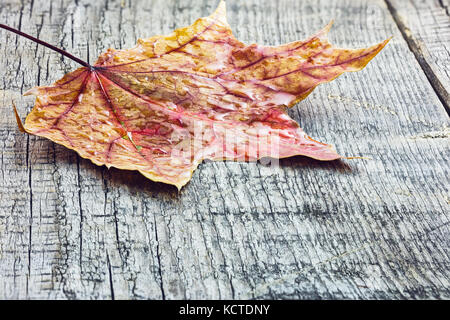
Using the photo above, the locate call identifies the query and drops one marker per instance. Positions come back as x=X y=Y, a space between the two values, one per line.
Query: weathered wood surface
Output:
x=425 y=24
x=376 y=228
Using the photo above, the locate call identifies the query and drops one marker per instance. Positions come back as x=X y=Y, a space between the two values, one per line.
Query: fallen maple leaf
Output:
x=173 y=101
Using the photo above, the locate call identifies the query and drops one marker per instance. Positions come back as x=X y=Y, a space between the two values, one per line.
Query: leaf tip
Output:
x=32 y=91
x=322 y=34
x=388 y=39
x=19 y=121
x=222 y=5
x=327 y=28
x=381 y=45
x=221 y=12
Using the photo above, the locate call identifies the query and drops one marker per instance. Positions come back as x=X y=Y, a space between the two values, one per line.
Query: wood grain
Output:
x=425 y=25
x=372 y=229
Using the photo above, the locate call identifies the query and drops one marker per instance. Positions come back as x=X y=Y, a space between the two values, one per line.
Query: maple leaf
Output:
x=198 y=93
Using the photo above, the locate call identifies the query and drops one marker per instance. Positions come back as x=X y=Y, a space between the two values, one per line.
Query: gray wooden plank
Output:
x=425 y=24
x=373 y=228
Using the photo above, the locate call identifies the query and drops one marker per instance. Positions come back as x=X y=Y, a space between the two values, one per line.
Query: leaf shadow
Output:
x=136 y=182
x=339 y=165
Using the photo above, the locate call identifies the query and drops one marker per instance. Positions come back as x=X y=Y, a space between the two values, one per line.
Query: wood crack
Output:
x=158 y=257
x=111 y=285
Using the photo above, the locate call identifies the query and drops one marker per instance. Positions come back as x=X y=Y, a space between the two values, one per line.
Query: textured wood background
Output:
x=374 y=229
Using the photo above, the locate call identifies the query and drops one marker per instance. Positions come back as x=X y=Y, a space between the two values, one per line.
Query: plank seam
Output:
x=441 y=3
x=413 y=46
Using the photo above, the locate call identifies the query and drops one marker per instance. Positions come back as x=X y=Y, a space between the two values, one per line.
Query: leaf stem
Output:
x=48 y=45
